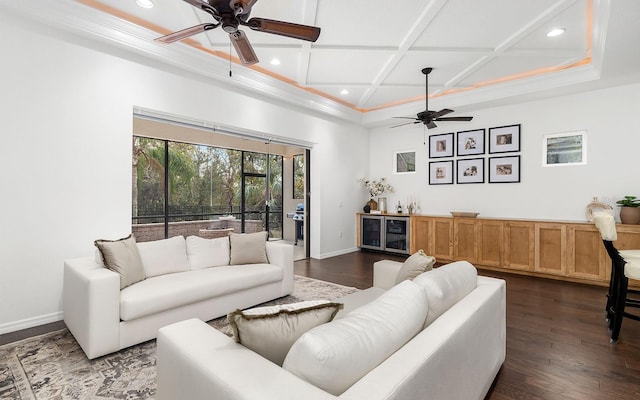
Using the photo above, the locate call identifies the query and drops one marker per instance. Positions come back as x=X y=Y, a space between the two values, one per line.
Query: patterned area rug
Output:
x=53 y=366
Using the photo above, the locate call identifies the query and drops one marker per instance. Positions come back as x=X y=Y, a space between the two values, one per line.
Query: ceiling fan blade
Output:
x=185 y=33
x=406 y=123
x=243 y=48
x=288 y=29
x=455 y=119
x=442 y=112
x=431 y=125
x=406 y=118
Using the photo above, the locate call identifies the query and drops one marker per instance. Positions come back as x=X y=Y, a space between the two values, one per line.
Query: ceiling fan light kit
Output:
x=428 y=117
x=230 y=15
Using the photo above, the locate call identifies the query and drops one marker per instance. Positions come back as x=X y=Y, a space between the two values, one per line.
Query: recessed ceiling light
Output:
x=145 y=3
x=555 y=32
x=344 y=92
x=275 y=61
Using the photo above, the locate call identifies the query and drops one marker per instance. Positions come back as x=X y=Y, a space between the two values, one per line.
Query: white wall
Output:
x=66 y=158
x=556 y=193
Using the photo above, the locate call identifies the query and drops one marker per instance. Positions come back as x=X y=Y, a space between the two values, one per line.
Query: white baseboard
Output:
x=338 y=253
x=30 y=322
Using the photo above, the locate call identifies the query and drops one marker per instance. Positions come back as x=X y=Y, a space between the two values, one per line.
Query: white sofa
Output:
x=104 y=318
x=455 y=357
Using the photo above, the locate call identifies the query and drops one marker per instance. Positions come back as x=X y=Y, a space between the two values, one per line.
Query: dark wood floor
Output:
x=557 y=340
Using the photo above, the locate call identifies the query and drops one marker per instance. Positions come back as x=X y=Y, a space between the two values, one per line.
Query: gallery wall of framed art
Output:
x=481 y=155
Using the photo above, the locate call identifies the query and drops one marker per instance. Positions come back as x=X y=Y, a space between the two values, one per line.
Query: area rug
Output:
x=53 y=366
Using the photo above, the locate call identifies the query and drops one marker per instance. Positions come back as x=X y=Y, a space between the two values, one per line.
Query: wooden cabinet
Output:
x=550 y=248
x=562 y=250
x=519 y=252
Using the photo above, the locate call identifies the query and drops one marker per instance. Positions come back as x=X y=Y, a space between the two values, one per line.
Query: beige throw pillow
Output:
x=122 y=256
x=271 y=331
x=248 y=248
x=413 y=266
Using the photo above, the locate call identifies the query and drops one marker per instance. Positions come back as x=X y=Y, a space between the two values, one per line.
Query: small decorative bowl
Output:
x=464 y=214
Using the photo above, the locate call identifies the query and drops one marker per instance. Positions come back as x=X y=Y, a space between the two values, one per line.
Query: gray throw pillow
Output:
x=248 y=248
x=271 y=331
x=122 y=256
x=413 y=266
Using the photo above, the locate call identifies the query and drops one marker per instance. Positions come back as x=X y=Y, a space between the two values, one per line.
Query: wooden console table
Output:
x=569 y=251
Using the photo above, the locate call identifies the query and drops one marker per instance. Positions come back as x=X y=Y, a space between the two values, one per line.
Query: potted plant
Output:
x=629 y=210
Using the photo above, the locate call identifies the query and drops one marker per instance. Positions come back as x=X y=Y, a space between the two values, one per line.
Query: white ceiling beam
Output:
x=424 y=19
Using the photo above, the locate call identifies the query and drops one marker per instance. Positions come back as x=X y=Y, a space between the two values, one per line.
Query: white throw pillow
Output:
x=446 y=286
x=204 y=253
x=248 y=248
x=334 y=356
x=413 y=266
x=165 y=256
x=270 y=331
x=122 y=256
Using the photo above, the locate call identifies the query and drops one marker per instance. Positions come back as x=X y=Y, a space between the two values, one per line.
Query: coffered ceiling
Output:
x=365 y=66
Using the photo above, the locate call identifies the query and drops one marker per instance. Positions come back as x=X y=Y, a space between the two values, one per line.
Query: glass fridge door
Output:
x=372 y=232
x=397 y=235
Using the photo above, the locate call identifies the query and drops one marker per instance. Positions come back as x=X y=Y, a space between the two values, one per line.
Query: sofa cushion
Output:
x=205 y=253
x=270 y=331
x=413 y=266
x=334 y=356
x=169 y=291
x=248 y=248
x=123 y=257
x=164 y=256
x=446 y=286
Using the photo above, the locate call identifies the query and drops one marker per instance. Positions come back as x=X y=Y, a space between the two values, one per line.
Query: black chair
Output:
x=622 y=268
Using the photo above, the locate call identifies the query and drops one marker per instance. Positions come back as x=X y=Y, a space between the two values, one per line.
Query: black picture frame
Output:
x=441 y=172
x=504 y=169
x=470 y=142
x=470 y=170
x=441 y=145
x=504 y=139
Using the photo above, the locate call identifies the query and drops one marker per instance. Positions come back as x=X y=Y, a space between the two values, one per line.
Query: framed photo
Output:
x=504 y=169
x=441 y=145
x=470 y=171
x=562 y=149
x=441 y=172
x=471 y=142
x=504 y=139
x=404 y=162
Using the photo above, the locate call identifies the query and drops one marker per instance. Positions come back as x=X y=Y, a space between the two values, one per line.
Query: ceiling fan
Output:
x=232 y=13
x=427 y=116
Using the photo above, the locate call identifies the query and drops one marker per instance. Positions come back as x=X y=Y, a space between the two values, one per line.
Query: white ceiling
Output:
x=483 y=52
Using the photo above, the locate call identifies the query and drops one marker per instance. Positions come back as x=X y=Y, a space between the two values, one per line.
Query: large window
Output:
x=181 y=188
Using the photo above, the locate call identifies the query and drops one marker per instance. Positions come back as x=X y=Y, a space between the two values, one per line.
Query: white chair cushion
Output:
x=169 y=291
x=334 y=356
x=205 y=253
x=164 y=256
x=270 y=331
x=606 y=224
x=446 y=285
x=632 y=269
x=628 y=255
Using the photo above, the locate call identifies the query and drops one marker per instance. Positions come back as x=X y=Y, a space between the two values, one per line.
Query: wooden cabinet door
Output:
x=442 y=239
x=519 y=245
x=421 y=230
x=492 y=243
x=551 y=248
x=586 y=256
x=465 y=242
